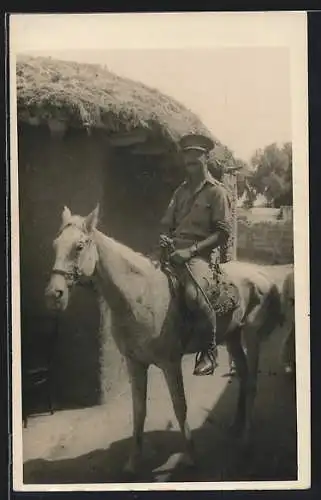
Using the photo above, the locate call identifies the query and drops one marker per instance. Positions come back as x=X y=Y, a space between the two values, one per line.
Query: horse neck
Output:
x=120 y=272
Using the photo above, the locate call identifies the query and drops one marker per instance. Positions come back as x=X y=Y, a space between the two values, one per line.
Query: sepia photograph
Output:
x=159 y=231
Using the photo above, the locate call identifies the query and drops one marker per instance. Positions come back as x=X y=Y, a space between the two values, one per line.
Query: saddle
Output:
x=223 y=295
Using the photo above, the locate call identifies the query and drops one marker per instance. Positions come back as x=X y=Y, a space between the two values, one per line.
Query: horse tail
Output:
x=276 y=305
x=287 y=296
x=273 y=308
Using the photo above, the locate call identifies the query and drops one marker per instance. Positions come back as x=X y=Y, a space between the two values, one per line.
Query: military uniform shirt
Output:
x=194 y=216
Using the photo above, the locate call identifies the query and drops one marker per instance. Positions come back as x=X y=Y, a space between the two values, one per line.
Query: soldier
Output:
x=198 y=221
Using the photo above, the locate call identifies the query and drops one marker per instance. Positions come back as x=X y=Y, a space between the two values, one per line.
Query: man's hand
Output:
x=181 y=256
x=165 y=241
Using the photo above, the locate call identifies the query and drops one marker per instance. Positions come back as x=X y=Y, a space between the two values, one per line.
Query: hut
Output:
x=86 y=135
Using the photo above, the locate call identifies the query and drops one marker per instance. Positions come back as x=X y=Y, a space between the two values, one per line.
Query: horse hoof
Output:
x=245 y=442
x=188 y=460
x=131 y=468
x=235 y=429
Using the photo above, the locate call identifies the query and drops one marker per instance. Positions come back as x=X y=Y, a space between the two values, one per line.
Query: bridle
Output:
x=73 y=276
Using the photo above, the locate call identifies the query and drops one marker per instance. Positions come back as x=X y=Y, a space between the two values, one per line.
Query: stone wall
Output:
x=265 y=241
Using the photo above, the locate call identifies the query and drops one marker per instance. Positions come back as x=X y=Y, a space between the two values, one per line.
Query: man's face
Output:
x=194 y=161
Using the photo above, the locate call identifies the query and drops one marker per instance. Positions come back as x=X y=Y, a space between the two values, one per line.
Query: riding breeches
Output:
x=194 y=298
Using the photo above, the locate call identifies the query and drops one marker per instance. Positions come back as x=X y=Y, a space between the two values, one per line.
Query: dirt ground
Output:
x=91 y=445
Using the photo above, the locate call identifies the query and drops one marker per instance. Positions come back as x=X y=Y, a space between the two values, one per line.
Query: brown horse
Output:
x=149 y=327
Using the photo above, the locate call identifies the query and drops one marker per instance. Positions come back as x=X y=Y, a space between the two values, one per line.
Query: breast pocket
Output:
x=202 y=206
x=202 y=213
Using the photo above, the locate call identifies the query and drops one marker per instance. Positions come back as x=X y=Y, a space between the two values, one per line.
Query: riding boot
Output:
x=206 y=361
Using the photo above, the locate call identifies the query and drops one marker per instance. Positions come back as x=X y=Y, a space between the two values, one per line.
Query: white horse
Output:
x=148 y=325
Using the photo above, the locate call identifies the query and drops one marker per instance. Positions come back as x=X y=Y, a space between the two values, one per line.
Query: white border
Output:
x=278 y=29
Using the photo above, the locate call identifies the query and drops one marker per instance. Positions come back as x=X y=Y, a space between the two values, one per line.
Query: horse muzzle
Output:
x=57 y=293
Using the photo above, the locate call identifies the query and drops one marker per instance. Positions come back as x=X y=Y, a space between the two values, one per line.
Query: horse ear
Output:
x=66 y=214
x=91 y=220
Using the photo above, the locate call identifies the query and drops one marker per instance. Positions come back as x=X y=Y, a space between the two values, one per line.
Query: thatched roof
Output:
x=90 y=96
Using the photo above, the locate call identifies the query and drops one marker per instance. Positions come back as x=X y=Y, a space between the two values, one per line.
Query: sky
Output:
x=242 y=94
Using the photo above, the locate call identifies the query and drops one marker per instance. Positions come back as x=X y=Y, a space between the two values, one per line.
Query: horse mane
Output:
x=137 y=261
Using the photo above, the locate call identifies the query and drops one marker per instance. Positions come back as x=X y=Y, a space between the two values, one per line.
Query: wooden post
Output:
x=230 y=251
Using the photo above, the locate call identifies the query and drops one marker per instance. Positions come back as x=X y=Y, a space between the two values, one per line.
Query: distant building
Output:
x=261 y=201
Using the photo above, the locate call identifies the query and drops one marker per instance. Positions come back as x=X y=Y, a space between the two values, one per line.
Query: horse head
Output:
x=75 y=257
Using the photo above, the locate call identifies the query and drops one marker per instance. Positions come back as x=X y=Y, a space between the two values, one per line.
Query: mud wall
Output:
x=54 y=172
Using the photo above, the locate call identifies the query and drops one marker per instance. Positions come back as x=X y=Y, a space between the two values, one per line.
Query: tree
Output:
x=272 y=174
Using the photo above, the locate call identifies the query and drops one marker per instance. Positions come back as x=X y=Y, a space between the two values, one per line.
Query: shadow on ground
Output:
x=272 y=456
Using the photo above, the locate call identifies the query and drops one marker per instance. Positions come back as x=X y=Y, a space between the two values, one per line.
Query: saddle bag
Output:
x=223 y=295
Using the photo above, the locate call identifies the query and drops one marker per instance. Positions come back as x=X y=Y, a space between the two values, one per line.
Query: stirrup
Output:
x=198 y=357
x=210 y=369
x=212 y=355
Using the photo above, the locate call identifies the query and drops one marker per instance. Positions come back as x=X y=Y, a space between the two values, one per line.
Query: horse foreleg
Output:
x=289 y=352
x=138 y=377
x=237 y=354
x=288 y=344
x=252 y=344
x=174 y=378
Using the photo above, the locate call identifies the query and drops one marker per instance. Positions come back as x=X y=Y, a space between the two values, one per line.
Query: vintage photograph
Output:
x=159 y=196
